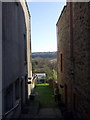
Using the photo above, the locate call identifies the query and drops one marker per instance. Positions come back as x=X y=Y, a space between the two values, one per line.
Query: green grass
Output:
x=45 y=95
x=44 y=84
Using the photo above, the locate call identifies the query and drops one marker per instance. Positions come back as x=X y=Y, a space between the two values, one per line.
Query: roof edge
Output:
x=61 y=14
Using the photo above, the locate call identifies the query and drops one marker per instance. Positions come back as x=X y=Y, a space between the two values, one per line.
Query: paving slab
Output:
x=49 y=113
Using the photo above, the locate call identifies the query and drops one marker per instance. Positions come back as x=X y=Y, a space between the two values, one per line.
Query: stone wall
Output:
x=81 y=33
x=64 y=48
x=73 y=31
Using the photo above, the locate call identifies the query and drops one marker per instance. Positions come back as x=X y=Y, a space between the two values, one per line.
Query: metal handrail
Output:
x=13 y=108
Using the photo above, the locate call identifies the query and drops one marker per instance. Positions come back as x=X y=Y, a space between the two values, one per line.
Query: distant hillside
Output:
x=44 y=54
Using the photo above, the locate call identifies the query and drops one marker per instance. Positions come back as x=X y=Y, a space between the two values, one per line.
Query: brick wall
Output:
x=80 y=32
x=63 y=25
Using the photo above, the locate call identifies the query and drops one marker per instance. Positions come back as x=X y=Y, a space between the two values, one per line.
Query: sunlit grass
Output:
x=45 y=95
x=44 y=84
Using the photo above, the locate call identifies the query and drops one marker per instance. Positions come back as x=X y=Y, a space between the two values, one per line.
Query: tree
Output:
x=45 y=65
x=54 y=77
x=48 y=72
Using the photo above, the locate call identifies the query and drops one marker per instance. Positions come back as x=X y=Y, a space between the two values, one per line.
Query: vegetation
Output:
x=44 y=85
x=45 y=95
x=44 y=54
x=45 y=65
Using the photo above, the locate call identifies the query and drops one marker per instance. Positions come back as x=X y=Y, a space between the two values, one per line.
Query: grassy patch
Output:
x=45 y=95
x=42 y=85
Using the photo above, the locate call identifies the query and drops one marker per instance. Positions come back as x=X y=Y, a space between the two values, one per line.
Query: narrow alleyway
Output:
x=48 y=106
x=42 y=106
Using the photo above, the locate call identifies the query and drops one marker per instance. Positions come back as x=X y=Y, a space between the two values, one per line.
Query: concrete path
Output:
x=30 y=110
x=33 y=111
x=49 y=113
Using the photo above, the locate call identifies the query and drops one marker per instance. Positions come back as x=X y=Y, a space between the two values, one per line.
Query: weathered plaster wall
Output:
x=15 y=49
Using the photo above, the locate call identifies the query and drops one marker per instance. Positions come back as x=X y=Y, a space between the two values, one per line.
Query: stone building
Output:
x=73 y=33
x=15 y=57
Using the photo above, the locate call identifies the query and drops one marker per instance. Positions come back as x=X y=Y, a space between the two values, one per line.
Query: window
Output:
x=61 y=62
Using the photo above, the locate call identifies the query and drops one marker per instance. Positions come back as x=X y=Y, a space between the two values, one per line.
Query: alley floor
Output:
x=33 y=111
x=42 y=106
x=54 y=113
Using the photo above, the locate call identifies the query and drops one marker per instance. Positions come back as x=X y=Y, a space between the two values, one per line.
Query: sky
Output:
x=44 y=16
